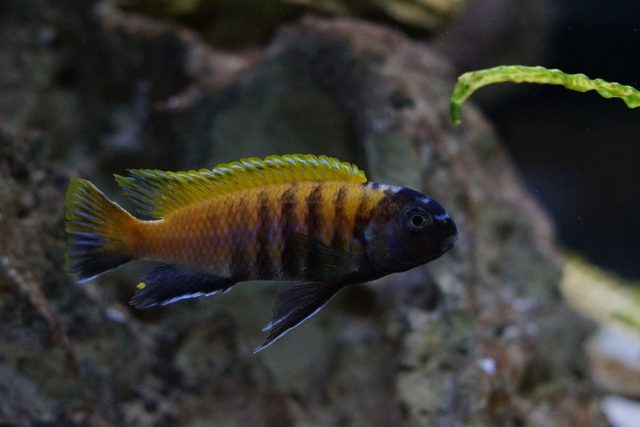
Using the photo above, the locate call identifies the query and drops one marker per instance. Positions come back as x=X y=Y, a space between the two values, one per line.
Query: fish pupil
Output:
x=418 y=220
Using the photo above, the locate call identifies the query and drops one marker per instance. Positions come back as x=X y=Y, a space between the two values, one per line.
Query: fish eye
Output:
x=417 y=219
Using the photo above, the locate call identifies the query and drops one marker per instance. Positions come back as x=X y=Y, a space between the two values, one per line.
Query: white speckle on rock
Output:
x=532 y=329
x=488 y=366
x=115 y=315
x=621 y=412
x=523 y=305
x=511 y=332
x=174 y=102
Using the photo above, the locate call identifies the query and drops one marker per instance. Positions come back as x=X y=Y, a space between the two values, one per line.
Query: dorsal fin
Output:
x=155 y=193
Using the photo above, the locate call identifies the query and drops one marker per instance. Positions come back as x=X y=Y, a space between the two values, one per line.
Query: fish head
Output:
x=411 y=230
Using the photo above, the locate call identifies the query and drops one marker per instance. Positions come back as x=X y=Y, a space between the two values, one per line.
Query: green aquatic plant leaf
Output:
x=469 y=82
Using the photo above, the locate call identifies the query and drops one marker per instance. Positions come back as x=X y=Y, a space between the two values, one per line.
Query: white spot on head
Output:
x=385 y=187
x=441 y=217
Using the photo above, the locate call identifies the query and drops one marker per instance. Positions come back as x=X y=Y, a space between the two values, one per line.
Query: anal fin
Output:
x=296 y=303
x=166 y=284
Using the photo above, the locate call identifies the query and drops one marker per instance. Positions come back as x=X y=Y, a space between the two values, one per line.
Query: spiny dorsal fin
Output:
x=155 y=193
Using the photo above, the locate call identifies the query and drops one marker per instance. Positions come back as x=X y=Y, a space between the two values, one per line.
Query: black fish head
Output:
x=411 y=230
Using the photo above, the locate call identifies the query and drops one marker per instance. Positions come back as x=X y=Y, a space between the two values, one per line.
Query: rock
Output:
x=428 y=15
x=614 y=351
x=601 y=295
x=615 y=360
x=621 y=412
x=252 y=22
x=479 y=337
x=490 y=32
x=28 y=64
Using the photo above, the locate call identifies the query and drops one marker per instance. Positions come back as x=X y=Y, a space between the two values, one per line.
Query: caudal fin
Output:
x=96 y=230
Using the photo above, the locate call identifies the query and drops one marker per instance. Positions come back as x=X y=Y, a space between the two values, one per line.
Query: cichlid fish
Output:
x=314 y=222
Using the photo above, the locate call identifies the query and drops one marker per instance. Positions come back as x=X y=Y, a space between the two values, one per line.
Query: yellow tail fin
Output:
x=96 y=231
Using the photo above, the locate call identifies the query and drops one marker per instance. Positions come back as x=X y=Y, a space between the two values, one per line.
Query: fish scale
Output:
x=310 y=220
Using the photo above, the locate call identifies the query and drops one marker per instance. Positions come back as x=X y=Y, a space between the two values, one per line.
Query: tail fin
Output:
x=96 y=231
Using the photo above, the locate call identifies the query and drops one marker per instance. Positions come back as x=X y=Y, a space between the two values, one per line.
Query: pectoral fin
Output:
x=296 y=303
x=167 y=284
x=325 y=263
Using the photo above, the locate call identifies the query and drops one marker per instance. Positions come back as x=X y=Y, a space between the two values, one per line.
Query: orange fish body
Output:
x=247 y=235
x=313 y=221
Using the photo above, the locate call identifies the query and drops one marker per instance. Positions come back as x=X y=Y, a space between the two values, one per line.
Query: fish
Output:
x=314 y=223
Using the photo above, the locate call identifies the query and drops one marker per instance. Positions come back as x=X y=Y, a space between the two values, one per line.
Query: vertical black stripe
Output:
x=314 y=224
x=290 y=262
x=339 y=219
x=377 y=216
x=361 y=220
x=239 y=265
x=264 y=267
x=388 y=206
x=314 y=211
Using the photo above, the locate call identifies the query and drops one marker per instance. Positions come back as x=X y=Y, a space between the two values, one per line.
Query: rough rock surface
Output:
x=621 y=412
x=615 y=360
x=480 y=337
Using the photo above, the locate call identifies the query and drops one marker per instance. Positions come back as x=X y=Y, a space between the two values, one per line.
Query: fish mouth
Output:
x=448 y=243
x=445 y=246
